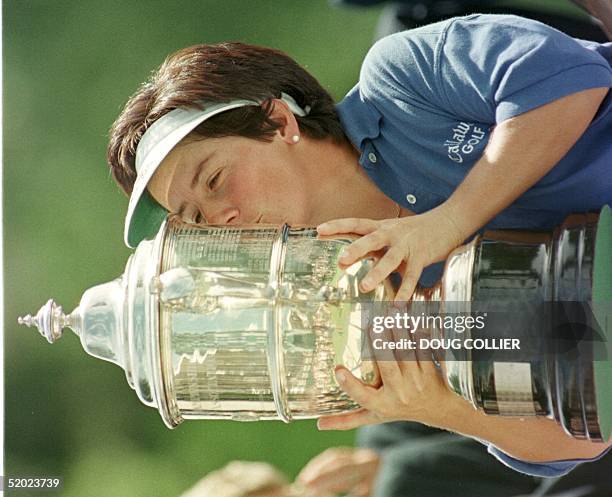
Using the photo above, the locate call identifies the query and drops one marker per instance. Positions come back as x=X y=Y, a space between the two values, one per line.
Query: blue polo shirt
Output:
x=428 y=98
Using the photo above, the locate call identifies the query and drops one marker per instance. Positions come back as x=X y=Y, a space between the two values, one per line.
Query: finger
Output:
x=337 y=479
x=338 y=482
x=323 y=463
x=364 y=395
x=348 y=225
x=411 y=375
x=362 y=490
x=410 y=278
x=429 y=370
x=388 y=367
x=412 y=369
x=374 y=254
x=423 y=354
x=366 y=459
x=348 y=421
x=401 y=335
x=383 y=268
x=348 y=461
x=373 y=241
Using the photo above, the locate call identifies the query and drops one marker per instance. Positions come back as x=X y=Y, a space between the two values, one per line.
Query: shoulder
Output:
x=399 y=62
x=417 y=53
x=399 y=49
x=474 y=28
x=493 y=38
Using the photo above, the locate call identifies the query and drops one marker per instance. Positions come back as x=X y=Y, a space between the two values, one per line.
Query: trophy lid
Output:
x=117 y=322
x=50 y=321
x=97 y=320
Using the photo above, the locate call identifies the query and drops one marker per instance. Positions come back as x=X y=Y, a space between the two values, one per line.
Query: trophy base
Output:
x=602 y=308
x=557 y=282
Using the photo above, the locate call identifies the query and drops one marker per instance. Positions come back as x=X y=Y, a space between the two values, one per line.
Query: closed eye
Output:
x=194 y=217
x=214 y=180
x=199 y=219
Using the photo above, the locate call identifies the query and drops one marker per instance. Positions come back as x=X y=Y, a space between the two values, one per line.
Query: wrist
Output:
x=453 y=413
x=456 y=220
x=457 y=415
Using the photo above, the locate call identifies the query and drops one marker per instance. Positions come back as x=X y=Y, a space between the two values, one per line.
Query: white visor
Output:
x=144 y=215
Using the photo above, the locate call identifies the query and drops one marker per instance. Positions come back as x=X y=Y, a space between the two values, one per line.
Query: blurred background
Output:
x=69 y=66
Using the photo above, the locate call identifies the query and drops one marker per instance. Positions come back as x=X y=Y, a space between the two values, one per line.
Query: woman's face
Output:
x=233 y=180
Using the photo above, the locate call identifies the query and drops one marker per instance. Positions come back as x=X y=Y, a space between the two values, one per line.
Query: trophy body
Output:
x=242 y=323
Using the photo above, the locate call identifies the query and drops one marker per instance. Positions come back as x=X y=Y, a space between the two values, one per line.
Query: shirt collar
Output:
x=359 y=118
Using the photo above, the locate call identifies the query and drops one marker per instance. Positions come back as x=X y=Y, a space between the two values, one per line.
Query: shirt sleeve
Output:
x=482 y=68
x=504 y=66
x=549 y=469
x=398 y=73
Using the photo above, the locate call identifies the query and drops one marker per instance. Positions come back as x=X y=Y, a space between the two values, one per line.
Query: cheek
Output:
x=267 y=190
x=245 y=189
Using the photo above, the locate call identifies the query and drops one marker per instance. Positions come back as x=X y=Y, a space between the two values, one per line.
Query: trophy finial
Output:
x=50 y=320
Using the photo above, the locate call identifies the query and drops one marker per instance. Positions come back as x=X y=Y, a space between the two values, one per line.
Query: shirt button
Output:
x=372 y=157
x=411 y=198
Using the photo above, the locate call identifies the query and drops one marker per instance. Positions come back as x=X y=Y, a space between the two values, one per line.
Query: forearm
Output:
x=529 y=439
x=521 y=150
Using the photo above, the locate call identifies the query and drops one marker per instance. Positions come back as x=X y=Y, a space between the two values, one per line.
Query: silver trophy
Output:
x=249 y=322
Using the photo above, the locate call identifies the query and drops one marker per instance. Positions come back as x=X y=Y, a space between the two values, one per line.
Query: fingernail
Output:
x=319 y=427
x=322 y=226
x=343 y=255
x=340 y=376
x=367 y=284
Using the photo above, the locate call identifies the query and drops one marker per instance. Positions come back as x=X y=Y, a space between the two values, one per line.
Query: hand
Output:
x=341 y=470
x=412 y=243
x=411 y=390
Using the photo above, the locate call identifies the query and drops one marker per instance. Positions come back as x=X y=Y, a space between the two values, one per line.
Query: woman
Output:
x=471 y=123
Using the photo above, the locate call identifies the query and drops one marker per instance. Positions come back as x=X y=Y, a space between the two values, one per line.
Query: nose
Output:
x=227 y=215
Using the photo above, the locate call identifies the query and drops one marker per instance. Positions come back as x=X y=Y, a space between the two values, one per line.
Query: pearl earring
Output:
x=295 y=138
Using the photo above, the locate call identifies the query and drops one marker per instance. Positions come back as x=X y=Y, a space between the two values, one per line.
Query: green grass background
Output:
x=69 y=66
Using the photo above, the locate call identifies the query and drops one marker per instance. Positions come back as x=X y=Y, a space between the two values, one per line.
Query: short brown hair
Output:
x=220 y=73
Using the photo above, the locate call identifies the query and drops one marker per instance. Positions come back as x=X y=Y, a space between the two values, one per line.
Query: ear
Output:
x=289 y=126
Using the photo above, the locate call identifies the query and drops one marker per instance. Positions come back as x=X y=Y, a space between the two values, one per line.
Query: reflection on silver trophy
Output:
x=248 y=322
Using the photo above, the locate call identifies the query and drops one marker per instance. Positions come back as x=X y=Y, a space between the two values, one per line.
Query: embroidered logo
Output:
x=464 y=140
